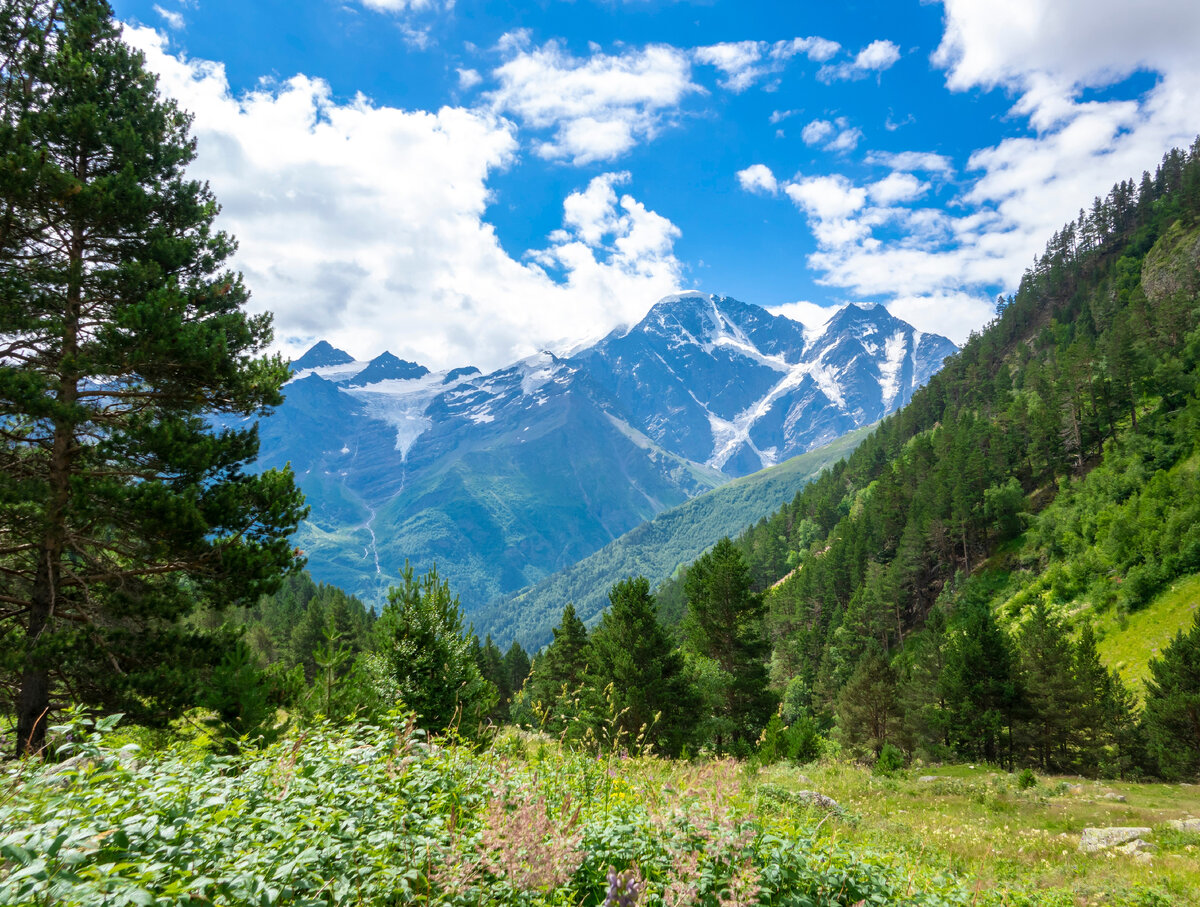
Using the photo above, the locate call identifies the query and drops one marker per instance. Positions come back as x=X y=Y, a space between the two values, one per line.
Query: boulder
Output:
x=925 y=779
x=812 y=798
x=1115 y=797
x=1192 y=826
x=1097 y=839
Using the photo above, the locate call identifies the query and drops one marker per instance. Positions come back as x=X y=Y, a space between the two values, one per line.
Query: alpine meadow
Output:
x=589 y=584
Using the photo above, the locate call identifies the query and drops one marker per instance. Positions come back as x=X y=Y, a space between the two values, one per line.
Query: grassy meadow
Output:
x=381 y=815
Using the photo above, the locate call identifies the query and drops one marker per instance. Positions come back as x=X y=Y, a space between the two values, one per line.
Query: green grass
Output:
x=1008 y=843
x=1128 y=643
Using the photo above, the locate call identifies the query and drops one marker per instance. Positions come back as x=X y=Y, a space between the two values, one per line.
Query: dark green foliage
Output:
x=724 y=623
x=868 y=713
x=1046 y=668
x=429 y=655
x=979 y=686
x=491 y=666
x=238 y=692
x=124 y=335
x=516 y=668
x=1172 y=708
x=635 y=665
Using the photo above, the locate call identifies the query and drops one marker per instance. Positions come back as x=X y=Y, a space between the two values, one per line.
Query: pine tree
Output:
x=724 y=622
x=491 y=667
x=516 y=668
x=636 y=661
x=429 y=654
x=868 y=712
x=1171 y=717
x=1046 y=663
x=978 y=684
x=122 y=334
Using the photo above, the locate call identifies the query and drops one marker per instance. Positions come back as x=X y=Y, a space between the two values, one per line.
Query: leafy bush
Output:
x=890 y=760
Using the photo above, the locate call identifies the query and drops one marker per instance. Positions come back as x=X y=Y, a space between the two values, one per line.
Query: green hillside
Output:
x=656 y=548
x=1044 y=482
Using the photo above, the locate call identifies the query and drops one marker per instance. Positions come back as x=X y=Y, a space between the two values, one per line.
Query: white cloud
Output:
x=809 y=314
x=877 y=56
x=874 y=58
x=940 y=267
x=403 y=6
x=468 y=79
x=816 y=132
x=364 y=225
x=827 y=198
x=897 y=187
x=778 y=116
x=1080 y=42
x=599 y=106
x=910 y=161
x=844 y=136
x=737 y=60
x=173 y=18
x=847 y=140
x=953 y=315
x=745 y=62
x=758 y=178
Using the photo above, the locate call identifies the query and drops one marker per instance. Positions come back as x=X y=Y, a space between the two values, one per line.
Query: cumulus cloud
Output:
x=1079 y=42
x=364 y=224
x=598 y=107
x=816 y=132
x=745 y=62
x=874 y=58
x=847 y=140
x=758 y=178
x=809 y=314
x=939 y=267
x=897 y=187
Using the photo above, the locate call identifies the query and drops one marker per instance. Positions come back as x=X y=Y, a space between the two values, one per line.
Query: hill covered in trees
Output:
x=936 y=591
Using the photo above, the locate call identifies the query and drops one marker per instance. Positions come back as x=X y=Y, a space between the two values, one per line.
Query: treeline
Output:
x=316 y=653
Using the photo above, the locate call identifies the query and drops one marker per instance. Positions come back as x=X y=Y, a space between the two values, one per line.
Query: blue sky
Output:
x=468 y=182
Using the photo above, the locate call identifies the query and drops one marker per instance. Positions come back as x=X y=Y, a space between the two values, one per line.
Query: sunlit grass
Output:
x=1127 y=644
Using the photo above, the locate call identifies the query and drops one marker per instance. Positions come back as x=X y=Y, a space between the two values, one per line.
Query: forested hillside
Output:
x=944 y=578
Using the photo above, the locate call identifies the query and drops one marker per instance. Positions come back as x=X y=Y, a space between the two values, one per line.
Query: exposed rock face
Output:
x=1173 y=265
x=1097 y=839
x=1192 y=826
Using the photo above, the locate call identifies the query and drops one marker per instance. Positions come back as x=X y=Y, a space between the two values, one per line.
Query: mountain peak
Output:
x=385 y=366
x=320 y=354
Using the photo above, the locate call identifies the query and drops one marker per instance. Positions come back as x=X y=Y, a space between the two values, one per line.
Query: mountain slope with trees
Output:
x=656 y=548
x=1047 y=474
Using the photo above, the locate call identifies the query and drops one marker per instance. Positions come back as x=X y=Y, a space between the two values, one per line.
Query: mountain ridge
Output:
x=505 y=478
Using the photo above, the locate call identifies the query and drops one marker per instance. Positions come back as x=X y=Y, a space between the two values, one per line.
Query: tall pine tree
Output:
x=122 y=334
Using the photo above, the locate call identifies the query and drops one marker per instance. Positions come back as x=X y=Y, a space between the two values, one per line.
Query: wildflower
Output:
x=623 y=888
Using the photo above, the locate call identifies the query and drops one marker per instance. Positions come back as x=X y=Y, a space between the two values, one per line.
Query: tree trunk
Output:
x=33 y=701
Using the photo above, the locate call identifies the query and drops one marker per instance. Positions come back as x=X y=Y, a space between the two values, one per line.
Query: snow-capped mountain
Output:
x=734 y=387
x=505 y=477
